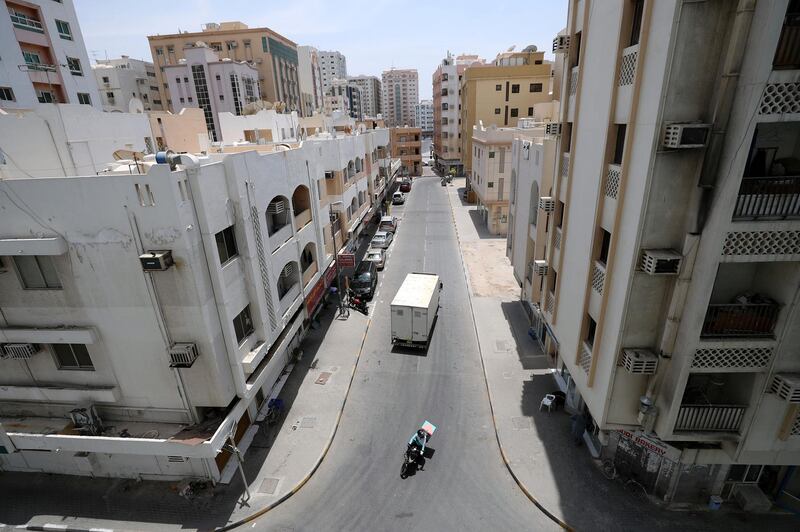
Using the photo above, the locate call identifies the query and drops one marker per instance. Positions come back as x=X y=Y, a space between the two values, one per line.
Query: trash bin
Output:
x=714 y=502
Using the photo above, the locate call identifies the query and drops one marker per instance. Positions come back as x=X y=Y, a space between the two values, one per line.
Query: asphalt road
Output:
x=464 y=485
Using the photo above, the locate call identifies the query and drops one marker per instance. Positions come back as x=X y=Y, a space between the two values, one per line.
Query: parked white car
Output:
x=398 y=198
x=382 y=240
x=388 y=224
x=376 y=255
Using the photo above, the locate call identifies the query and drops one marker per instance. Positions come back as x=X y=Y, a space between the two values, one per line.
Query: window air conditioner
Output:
x=547 y=204
x=678 y=136
x=552 y=129
x=639 y=361
x=661 y=262
x=182 y=355
x=18 y=351
x=277 y=207
x=561 y=44
x=787 y=387
x=156 y=261
x=540 y=267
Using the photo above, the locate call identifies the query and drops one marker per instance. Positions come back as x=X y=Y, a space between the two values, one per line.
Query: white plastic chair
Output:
x=548 y=401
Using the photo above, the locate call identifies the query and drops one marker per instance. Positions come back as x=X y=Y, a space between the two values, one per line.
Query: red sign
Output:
x=347 y=260
x=315 y=295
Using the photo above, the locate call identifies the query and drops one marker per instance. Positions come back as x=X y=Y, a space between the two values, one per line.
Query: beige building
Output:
x=405 y=143
x=491 y=172
x=399 y=96
x=501 y=93
x=274 y=56
x=654 y=232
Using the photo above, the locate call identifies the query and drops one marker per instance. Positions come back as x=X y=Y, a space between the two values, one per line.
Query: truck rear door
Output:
x=401 y=322
x=420 y=324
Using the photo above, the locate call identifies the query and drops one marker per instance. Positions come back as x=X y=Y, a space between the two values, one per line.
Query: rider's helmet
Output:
x=421 y=433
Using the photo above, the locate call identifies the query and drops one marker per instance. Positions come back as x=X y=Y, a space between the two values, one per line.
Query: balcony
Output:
x=598 y=276
x=309 y=273
x=302 y=218
x=562 y=191
x=772 y=198
x=557 y=239
x=279 y=238
x=549 y=302
x=710 y=418
x=573 y=80
x=289 y=298
x=740 y=320
x=585 y=357
x=26 y=23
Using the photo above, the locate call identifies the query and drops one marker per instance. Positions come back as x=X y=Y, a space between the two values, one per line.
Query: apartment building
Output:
x=138 y=335
x=334 y=66
x=399 y=96
x=655 y=237
x=122 y=79
x=501 y=93
x=44 y=56
x=491 y=172
x=370 y=87
x=212 y=84
x=310 y=76
x=406 y=144
x=273 y=55
x=345 y=96
x=423 y=117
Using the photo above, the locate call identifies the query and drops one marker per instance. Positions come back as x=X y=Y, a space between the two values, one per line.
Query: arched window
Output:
x=277 y=214
x=288 y=278
x=534 y=206
x=301 y=205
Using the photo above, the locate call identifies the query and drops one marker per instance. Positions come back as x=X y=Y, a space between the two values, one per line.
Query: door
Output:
x=420 y=325
x=401 y=323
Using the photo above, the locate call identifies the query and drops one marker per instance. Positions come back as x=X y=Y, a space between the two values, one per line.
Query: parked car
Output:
x=382 y=240
x=405 y=186
x=376 y=255
x=398 y=198
x=388 y=224
x=365 y=279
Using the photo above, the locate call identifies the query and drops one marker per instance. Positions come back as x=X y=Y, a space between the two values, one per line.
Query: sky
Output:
x=374 y=35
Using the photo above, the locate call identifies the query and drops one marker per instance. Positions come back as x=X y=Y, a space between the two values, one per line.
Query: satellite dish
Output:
x=511 y=49
x=135 y=106
x=121 y=155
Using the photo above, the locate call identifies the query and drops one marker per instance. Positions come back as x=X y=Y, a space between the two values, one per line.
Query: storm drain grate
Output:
x=323 y=377
x=268 y=486
x=308 y=422
x=521 y=423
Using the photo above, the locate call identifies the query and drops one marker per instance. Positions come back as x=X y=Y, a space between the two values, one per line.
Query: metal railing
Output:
x=716 y=418
x=754 y=320
x=25 y=23
x=768 y=197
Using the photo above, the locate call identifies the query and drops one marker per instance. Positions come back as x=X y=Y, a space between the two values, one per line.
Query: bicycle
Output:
x=274 y=411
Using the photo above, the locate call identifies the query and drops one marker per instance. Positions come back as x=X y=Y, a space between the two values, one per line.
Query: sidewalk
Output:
x=537 y=446
x=279 y=459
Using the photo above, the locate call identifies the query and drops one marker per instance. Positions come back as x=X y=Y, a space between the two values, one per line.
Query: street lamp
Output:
x=333 y=217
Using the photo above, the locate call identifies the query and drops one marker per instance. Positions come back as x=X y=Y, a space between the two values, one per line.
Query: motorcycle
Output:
x=444 y=181
x=356 y=303
x=410 y=460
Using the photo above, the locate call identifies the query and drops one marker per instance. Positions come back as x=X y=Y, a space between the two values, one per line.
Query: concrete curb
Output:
x=557 y=520
x=50 y=527
x=262 y=511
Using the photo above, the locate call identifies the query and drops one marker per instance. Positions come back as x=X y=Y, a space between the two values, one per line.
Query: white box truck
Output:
x=414 y=310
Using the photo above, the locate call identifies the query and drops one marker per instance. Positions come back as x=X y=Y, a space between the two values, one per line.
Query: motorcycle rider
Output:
x=419 y=440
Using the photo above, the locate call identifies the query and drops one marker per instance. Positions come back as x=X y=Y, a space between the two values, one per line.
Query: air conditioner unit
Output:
x=288 y=269
x=276 y=208
x=182 y=355
x=686 y=135
x=547 y=204
x=156 y=261
x=639 y=361
x=661 y=262
x=552 y=129
x=787 y=387
x=19 y=351
x=561 y=44
x=540 y=267
x=329 y=175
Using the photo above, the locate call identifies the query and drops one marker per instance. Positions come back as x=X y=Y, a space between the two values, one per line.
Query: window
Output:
x=536 y=87
x=159 y=51
x=591 y=329
x=72 y=356
x=226 y=245
x=110 y=95
x=84 y=98
x=182 y=100
x=490 y=184
x=515 y=88
x=64 y=30
x=636 y=22
x=45 y=96
x=537 y=62
x=7 y=94
x=221 y=97
x=530 y=111
x=243 y=325
x=605 y=243
x=190 y=99
x=74 y=65
x=498 y=87
x=514 y=112
x=185 y=79
x=491 y=155
x=619 y=146
x=497 y=110
x=31 y=58
x=37 y=272
x=105 y=79
x=177 y=80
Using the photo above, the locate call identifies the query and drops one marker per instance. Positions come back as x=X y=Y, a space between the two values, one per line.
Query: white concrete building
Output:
x=333 y=65
x=215 y=85
x=262 y=127
x=148 y=310
x=491 y=173
x=123 y=79
x=44 y=59
x=399 y=96
x=344 y=96
x=309 y=75
x=370 y=87
x=423 y=113
x=665 y=286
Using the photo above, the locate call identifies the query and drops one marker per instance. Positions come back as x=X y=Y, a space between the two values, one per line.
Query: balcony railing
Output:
x=302 y=218
x=573 y=80
x=752 y=320
x=768 y=197
x=309 y=273
x=25 y=23
x=549 y=302
x=716 y=418
x=565 y=165
x=289 y=297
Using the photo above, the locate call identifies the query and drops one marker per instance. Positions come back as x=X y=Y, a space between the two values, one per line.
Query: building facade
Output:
x=501 y=93
x=334 y=66
x=423 y=116
x=657 y=244
x=44 y=55
x=274 y=56
x=120 y=80
x=310 y=77
x=135 y=337
x=406 y=145
x=491 y=175
x=346 y=97
x=370 y=87
x=399 y=96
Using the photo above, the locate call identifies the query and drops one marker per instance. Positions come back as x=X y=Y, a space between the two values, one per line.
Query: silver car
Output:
x=377 y=256
x=382 y=239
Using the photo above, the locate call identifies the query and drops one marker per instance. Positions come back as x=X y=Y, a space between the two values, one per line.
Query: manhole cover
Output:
x=501 y=346
x=323 y=377
x=308 y=422
x=268 y=486
x=521 y=423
